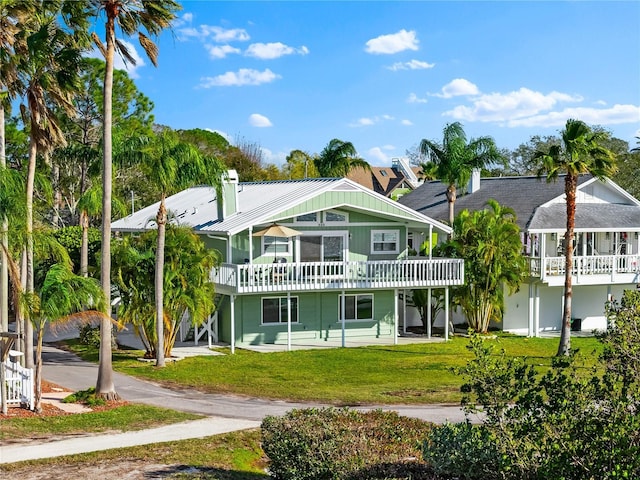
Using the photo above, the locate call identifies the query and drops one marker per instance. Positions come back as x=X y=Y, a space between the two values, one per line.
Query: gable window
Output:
x=308 y=218
x=275 y=245
x=356 y=307
x=333 y=216
x=274 y=310
x=385 y=241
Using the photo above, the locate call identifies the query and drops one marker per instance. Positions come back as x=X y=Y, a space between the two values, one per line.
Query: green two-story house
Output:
x=310 y=261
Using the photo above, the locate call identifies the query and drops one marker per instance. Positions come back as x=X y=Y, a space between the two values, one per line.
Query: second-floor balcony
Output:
x=319 y=276
x=588 y=270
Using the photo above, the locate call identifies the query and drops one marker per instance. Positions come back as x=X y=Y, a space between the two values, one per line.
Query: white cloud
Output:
x=411 y=65
x=276 y=158
x=257 y=120
x=367 y=121
x=504 y=107
x=606 y=116
x=458 y=87
x=363 y=122
x=406 y=122
x=413 y=98
x=268 y=51
x=224 y=35
x=393 y=43
x=184 y=19
x=377 y=154
x=244 y=76
x=221 y=51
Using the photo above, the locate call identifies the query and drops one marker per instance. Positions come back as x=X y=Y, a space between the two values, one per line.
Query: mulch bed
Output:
x=48 y=410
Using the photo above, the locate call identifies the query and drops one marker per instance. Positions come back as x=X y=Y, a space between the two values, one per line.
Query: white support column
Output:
x=430 y=237
x=404 y=311
x=251 y=244
x=232 y=304
x=395 y=316
x=536 y=318
x=288 y=321
x=429 y=319
x=530 y=314
x=342 y=317
x=446 y=313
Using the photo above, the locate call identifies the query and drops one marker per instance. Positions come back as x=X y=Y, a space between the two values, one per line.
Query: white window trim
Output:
x=385 y=252
x=354 y=320
x=272 y=324
x=335 y=222
x=286 y=254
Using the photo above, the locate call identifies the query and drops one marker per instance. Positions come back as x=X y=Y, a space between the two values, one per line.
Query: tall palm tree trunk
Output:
x=105 y=387
x=451 y=198
x=31 y=174
x=161 y=220
x=84 y=246
x=4 y=270
x=571 y=183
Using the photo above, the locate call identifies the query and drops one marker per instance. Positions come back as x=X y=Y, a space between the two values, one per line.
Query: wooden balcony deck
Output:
x=318 y=276
x=590 y=270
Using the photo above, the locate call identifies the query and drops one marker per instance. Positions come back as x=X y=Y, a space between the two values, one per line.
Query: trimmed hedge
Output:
x=336 y=444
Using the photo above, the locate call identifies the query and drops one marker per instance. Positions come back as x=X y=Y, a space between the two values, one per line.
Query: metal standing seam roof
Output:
x=523 y=194
x=258 y=202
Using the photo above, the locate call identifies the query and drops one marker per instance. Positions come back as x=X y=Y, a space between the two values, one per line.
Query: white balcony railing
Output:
x=283 y=277
x=591 y=265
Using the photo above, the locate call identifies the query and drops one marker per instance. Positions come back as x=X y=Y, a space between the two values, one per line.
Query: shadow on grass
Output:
x=189 y=472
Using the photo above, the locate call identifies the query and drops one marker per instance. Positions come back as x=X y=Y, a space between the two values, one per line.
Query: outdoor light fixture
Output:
x=607 y=235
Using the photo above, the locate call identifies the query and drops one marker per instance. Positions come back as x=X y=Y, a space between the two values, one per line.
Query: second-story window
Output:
x=385 y=241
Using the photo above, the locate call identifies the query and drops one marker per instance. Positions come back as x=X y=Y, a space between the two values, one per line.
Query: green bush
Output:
x=564 y=421
x=332 y=443
x=86 y=397
x=463 y=451
x=90 y=335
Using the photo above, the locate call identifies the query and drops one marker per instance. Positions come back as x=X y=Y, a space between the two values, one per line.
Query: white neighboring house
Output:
x=606 y=248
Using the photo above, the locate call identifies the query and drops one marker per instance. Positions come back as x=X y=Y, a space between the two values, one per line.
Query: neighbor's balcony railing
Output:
x=615 y=266
x=283 y=277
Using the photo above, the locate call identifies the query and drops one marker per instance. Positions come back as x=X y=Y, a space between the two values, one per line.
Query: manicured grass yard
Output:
x=416 y=374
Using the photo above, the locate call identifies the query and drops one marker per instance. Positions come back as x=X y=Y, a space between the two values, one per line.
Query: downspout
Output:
x=342 y=315
x=395 y=317
x=446 y=313
x=232 y=304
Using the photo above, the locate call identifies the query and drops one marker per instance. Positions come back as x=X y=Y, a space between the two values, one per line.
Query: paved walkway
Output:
x=225 y=413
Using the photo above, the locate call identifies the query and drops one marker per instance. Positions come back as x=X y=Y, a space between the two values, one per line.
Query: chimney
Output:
x=474 y=182
x=228 y=203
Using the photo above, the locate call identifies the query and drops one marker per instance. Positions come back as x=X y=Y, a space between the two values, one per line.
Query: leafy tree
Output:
x=186 y=283
x=581 y=151
x=454 y=160
x=63 y=297
x=81 y=244
x=337 y=159
x=131 y=16
x=300 y=164
x=171 y=165
x=209 y=143
x=558 y=421
x=489 y=242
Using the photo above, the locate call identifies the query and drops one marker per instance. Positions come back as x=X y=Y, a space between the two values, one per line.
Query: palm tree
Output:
x=131 y=16
x=337 y=159
x=453 y=161
x=170 y=165
x=580 y=152
x=63 y=297
x=489 y=242
x=12 y=14
x=48 y=62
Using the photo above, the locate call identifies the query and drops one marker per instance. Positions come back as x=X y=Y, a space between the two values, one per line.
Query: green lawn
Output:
x=233 y=456
x=122 y=419
x=416 y=374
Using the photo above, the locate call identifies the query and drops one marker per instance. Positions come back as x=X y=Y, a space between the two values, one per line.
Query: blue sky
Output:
x=384 y=75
